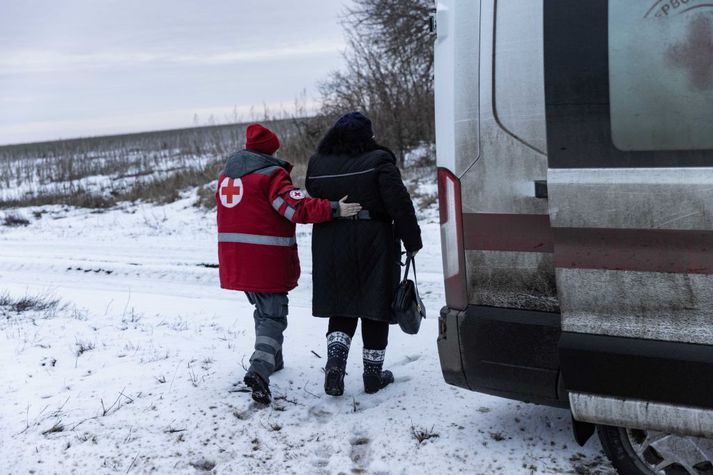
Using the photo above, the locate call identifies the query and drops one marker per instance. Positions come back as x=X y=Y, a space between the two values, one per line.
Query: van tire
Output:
x=618 y=449
x=641 y=452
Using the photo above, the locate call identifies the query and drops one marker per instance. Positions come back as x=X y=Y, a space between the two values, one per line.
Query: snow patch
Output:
x=146 y=374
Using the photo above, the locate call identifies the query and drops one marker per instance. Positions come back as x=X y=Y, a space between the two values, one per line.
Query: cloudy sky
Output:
x=90 y=67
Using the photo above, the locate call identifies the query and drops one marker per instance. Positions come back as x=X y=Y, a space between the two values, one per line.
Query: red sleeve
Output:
x=294 y=204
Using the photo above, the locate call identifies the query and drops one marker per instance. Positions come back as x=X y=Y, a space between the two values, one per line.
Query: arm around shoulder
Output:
x=294 y=204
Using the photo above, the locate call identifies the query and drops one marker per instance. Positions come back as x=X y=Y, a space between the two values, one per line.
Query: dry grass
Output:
x=14 y=219
x=167 y=189
x=75 y=197
x=82 y=347
x=56 y=427
x=120 y=156
x=206 y=196
x=38 y=303
x=422 y=434
x=153 y=167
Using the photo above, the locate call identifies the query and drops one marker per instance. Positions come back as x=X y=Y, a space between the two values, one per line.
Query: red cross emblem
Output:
x=297 y=195
x=231 y=192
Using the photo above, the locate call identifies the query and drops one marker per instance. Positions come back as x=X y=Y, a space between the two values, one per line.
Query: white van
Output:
x=575 y=155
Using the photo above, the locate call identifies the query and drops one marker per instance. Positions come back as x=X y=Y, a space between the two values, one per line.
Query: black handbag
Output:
x=407 y=305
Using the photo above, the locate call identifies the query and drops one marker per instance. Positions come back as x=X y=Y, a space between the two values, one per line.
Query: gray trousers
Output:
x=270 y=321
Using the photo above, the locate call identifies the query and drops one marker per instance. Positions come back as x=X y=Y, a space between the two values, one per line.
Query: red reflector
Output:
x=451 y=219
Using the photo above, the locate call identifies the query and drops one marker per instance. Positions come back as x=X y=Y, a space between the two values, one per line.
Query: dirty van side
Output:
x=575 y=154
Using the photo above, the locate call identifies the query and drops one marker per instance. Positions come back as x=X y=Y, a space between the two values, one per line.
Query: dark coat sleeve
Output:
x=397 y=202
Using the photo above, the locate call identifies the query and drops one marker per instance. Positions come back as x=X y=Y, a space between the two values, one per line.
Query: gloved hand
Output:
x=347 y=210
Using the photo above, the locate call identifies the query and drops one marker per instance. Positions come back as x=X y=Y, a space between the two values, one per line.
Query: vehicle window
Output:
x=519 y=71
x=466 y=83
x=661 y=74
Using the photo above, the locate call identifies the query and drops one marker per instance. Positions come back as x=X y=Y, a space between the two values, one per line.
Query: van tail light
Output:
x=451 y=211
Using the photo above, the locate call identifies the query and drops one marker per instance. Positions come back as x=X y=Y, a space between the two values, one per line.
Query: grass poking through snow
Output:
x=14 y=219
x=37 y=303
x=422 y=434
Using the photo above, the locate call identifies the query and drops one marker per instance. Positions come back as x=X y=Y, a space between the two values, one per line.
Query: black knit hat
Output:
x=355 y=124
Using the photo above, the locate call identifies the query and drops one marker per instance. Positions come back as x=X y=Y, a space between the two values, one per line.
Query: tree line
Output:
x=388 y=74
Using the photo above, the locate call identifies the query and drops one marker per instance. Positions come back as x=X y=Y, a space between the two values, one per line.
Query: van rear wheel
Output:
x=645 y=452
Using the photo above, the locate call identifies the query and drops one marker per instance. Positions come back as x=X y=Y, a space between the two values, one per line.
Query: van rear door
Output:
x=629 y=104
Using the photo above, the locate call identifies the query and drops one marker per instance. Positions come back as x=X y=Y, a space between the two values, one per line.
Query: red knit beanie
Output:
x=261 y=139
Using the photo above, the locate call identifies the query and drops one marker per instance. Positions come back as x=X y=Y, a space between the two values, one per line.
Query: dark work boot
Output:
x=260 y=388
x=374 y=377
x=337 y=352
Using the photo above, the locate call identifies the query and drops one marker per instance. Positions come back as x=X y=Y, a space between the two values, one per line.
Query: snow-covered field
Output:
x=137 y=371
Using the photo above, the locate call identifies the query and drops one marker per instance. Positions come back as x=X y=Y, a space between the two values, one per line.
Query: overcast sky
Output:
x=80 y=67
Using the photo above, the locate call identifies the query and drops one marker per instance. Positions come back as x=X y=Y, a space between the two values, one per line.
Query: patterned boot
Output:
x=337 y=352
x=374 y=378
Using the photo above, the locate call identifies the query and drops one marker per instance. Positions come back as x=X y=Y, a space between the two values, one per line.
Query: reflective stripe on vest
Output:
x=289 y=212
x=257 y=239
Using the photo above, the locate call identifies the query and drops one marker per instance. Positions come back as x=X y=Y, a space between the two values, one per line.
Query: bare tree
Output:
x=389 y=72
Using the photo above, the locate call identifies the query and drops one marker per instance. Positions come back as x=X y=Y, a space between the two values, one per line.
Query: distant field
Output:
x=99 y=172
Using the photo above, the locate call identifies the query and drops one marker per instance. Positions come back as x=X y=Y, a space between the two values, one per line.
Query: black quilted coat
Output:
x=355 y=263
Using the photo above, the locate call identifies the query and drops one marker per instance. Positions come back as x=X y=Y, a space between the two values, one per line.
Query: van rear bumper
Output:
x=504 y=352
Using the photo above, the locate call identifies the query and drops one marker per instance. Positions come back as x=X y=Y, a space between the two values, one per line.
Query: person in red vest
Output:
x=258 y=207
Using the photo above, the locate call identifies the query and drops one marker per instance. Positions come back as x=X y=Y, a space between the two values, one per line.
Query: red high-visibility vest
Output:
x=257 y=212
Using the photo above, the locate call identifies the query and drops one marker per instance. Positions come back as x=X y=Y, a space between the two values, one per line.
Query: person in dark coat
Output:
x=355 y=261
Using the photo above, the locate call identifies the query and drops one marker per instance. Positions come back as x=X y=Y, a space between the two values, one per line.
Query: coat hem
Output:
x=280 y=290
x=390 y=321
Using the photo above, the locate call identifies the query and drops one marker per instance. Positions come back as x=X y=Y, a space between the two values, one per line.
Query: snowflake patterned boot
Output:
x=374 y=378
x=337 y=352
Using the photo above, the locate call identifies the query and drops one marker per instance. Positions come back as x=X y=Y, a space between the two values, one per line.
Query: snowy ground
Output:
x=136 y=373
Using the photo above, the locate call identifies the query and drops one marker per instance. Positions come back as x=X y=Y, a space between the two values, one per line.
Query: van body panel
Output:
x=518 y=280
x=631 y=198
x=633 y=247
x=649 y=305
x=512 y=144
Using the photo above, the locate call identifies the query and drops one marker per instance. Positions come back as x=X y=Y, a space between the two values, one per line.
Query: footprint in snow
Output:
x=369 y=401
x=360 y=453
x=322 y=456
x=243 y=415
x=408 y=359
x=319 y=413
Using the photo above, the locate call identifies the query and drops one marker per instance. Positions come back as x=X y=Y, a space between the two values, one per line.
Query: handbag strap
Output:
x=408 y=266
x=411 y=260
x=415 y=279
